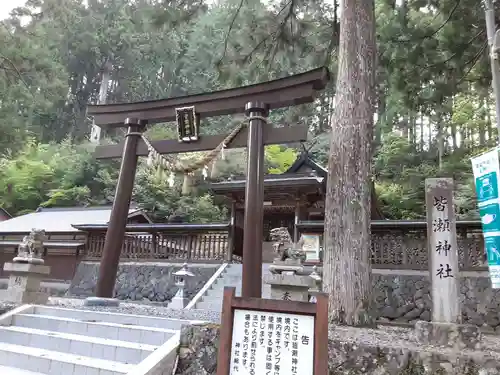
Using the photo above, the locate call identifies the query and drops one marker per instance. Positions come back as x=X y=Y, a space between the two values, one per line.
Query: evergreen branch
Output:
x=18 y=73
x=448 y=19
x=231 y=25
x=7 y=28
x=332 y=44
x=335 y=36
x=272 y=35
x=474 y=61
x=467 y=45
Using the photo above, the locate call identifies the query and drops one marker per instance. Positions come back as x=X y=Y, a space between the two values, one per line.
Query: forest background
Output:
x=435 y=107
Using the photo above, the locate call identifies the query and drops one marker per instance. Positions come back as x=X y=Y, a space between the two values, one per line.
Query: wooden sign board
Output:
x=273 y=337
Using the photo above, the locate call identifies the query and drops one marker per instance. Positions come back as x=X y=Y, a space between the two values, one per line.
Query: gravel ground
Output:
x=150 y=309
x=397 y=337
x=385 y=336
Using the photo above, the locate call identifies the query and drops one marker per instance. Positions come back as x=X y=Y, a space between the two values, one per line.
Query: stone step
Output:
x=88 y=327
x=238 y=271
x=231 y=272
x=125 y=319
x=210 y=305
x=57 y=363
x=114 y=350
x=217 y=294
x=221 y=284
x=218 y=288
x=238 y=276
x=4 y=370
x=236 y=280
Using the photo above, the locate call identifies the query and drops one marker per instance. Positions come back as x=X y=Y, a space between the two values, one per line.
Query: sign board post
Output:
x=273 y=337
x=486 y=169
x=443 y=251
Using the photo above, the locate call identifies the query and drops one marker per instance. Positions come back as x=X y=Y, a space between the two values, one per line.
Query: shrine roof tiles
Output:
x=60 y=219
x=275 y=181
x=305 y=159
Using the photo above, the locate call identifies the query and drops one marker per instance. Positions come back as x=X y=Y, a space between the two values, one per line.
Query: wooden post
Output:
x=154 y=244
x=232 y=232
x=119 y=213
x=443 y=251
x=299 y=215
x=254 y=203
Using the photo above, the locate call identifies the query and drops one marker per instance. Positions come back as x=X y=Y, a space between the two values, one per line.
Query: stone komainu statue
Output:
x=283 y=245
x=31 y=248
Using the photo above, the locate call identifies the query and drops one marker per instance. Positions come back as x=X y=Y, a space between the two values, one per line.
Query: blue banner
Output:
x=486 y=169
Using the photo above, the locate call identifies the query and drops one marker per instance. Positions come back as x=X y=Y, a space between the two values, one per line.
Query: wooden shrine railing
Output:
x=395 y=244
x=403 y=244
x=174 y=242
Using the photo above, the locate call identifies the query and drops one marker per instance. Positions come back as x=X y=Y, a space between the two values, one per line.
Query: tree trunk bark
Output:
x=347 y=268
x=422 y=130
x=482 y=119
x=440 y=139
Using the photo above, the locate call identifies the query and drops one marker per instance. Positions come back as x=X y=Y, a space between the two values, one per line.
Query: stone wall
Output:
x=198 y=350
x=7 y=306
x=141 y=281
x=406 y=298
x=54 y=289
x=352 y=351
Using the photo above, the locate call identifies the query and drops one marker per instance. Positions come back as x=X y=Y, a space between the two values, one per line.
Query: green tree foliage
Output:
x=47 y=174
x=279 y=158
x=434 y=111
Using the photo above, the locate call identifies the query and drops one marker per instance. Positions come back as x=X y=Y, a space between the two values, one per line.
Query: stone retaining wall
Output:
x=353 y=351
x=7 y=306
x=141 y=281
x=54 y=289
x=407 y=299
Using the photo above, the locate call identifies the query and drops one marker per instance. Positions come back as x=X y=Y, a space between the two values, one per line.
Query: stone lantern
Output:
x=181 y=278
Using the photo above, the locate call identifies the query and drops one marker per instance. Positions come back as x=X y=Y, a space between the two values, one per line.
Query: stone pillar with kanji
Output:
x=445 y=329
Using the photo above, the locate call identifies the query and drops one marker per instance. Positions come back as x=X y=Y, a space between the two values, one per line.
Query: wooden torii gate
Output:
x=255 y=101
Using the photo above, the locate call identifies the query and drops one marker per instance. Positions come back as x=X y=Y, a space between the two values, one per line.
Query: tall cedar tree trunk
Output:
x=347 y=269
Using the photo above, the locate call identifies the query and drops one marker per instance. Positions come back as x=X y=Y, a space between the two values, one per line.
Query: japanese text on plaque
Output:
x=272 y=344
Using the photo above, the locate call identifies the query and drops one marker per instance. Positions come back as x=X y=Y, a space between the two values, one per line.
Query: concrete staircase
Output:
x=232 y=276
x=46 y=340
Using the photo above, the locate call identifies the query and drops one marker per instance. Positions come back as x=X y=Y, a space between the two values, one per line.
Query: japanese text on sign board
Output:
x=272 y=344
x=441 y=226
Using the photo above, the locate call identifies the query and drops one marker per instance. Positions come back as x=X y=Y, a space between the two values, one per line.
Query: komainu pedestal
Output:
x=287 y=278
x=289 y=287
x=24 y=283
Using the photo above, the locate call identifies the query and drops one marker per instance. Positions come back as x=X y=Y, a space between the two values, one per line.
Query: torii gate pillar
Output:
x=254 y=202
x=115 y=234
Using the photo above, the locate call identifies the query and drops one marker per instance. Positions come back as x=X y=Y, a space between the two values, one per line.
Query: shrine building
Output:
x=297 y=195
